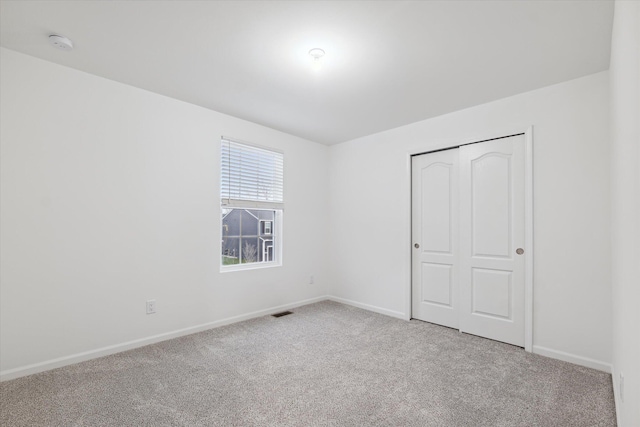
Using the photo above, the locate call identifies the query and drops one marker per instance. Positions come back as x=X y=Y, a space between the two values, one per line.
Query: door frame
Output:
x=528 y=216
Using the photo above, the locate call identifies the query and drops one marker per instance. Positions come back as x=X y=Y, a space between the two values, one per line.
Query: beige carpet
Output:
x=325 y=365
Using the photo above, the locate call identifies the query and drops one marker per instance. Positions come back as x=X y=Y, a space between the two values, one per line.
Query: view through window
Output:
x=247 y=236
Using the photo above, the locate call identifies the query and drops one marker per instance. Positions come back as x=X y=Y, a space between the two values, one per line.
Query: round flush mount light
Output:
x=316 y=53
x=60 y=42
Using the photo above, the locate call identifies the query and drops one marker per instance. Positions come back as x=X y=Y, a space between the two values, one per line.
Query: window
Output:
x=266 y=227
x=251 y=199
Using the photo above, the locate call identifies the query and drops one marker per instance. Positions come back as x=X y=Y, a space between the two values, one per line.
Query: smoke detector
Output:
x=60 y=42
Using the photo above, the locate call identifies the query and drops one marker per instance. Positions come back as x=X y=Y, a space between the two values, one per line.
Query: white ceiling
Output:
x=388 y=63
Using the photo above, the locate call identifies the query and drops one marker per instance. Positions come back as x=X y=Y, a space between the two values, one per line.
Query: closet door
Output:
x=492 y=236
x=435 y=237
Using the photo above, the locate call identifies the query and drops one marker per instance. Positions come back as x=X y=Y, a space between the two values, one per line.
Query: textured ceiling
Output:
x=388 y=63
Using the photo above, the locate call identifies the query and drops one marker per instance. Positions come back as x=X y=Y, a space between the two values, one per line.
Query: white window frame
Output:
x=277 y=206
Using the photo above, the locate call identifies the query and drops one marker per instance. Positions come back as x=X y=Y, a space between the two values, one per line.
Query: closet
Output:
x=468 y=237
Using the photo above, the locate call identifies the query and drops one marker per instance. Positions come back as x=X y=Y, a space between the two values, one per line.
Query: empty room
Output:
x=320 y=213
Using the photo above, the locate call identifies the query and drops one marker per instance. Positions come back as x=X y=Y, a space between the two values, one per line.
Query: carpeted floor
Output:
x=325 y=365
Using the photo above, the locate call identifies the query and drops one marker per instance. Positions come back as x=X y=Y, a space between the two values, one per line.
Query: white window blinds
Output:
x=250 y=176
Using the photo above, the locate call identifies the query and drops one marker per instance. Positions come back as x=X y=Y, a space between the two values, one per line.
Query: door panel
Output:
x=436 y=283
x=436 y=207
x=491 y=205
x=492 y=292
x=435 y=230
x=491 y=229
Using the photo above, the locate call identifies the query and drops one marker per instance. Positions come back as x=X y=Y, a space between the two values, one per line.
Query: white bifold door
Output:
x=468 y=216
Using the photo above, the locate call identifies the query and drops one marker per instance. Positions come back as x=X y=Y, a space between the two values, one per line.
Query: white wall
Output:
x=110 y=196
x=370 y=211
x=625 y=185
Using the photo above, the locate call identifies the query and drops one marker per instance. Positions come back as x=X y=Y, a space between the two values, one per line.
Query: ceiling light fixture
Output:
x=60 y=42
x=316 y=53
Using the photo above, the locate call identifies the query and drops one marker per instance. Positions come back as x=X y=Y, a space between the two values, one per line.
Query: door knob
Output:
x=519 y=251
x=416 y=245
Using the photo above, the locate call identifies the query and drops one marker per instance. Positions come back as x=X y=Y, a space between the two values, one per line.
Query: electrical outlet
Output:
x=621 y=387
x=151 y=306
x=312 y=279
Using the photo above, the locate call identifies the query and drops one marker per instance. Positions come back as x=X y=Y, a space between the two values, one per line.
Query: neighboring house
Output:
x=247 y=236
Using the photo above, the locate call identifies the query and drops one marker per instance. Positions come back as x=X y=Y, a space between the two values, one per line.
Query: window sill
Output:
x=252 y=266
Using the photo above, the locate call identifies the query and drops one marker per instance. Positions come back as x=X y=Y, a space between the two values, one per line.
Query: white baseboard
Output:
x=373 y=308
x=22 y=371
x=616 y=394
x=572 y=358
